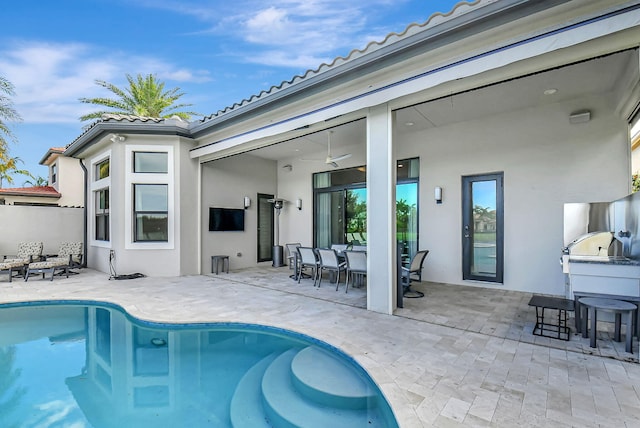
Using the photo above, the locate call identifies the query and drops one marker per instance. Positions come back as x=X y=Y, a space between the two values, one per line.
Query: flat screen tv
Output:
x=226 y=219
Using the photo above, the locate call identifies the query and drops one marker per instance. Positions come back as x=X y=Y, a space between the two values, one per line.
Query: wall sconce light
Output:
x=288 y=167
x=299 y=204
x=247 y=202
x=437 y=194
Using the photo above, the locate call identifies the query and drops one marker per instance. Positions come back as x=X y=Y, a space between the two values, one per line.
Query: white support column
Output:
x=381 y=211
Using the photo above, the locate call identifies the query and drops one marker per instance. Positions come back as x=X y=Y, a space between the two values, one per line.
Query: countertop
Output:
x=609 y=260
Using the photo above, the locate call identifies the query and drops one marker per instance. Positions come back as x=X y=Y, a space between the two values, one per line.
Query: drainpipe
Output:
x=85 y=223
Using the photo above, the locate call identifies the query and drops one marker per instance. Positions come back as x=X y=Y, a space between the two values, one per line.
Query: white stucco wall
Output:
x=70 y=182
x=546 y=162
x=224 y=184
x=49 y=225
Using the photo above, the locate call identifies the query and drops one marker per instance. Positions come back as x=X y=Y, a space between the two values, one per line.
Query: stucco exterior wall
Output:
x=546 y=161
x=70 y=182
x=224 y=184
x=33 y=223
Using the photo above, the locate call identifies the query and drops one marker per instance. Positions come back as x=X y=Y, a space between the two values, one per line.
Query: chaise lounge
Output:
x=69 y=256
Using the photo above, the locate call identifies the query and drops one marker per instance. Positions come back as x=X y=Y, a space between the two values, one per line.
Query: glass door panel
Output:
x=407 y=218
x=330 y=218
x=265 y=227
x=482 y=232
x=356 y=233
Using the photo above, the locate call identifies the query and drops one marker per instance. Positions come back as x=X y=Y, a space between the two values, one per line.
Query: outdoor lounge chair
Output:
x=329 y=261
x=10 y=268
x=415 y=268
x=27 y=252
x=69 y=256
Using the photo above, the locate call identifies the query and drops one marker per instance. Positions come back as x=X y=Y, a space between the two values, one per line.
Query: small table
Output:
x=618 y=307
x=215 y=263
x=559 y=330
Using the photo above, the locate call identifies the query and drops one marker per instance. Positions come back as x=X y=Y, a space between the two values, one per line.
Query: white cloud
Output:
x=50 y=77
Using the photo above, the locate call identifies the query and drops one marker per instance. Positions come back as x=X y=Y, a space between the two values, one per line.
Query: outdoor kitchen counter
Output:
x=610 y=260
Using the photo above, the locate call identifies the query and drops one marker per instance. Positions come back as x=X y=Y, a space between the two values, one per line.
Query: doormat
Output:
x=128 y=276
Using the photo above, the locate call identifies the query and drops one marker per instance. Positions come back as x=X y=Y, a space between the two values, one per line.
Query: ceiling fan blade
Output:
x=339 y=158
x=333 y=164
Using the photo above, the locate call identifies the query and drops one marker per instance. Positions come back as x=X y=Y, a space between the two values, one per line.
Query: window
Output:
x=149 y=197
x=102 y=215
x=99 y=208
x=102 y=169
x=150 y=162
x=151 y=212
x=54 y=173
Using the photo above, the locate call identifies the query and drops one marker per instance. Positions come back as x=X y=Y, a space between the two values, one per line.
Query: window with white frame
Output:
x=54 y=173
x=149 y=197
x=101 y=194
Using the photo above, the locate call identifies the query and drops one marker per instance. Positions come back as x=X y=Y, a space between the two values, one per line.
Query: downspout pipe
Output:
x=85 y=224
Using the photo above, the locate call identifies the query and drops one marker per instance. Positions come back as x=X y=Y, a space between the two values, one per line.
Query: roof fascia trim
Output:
x=485 y=15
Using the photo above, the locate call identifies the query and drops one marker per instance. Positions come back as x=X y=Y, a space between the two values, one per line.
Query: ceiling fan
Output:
x=331 y=160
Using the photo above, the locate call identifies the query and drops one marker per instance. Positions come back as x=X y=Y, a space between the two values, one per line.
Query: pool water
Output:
x=72 y=365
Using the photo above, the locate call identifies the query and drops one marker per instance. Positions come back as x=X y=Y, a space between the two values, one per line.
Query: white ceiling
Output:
x=591 y=77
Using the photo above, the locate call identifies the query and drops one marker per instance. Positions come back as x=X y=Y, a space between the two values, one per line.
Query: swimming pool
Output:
x=92 y=365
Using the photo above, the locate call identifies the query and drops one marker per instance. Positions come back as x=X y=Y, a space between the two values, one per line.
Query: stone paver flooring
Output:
x=477 y=365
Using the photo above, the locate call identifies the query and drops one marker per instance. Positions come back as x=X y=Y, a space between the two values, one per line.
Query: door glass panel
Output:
x=330 y=219
x=356 y=217
x=483 y=228
x=265 y=228
x=407 y=218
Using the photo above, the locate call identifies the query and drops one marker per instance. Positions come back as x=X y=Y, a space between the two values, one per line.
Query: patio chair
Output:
x=27 y=252
x=307 y=259
x=292 y=250
x=415 y=268
x=69 y=257
x=359 y=248
x=356 y=264
x=329 y=261
x=10 y=268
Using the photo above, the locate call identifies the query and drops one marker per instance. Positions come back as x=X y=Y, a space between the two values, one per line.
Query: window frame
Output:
x=133 y=178
x=98 y=185
x=136 y=212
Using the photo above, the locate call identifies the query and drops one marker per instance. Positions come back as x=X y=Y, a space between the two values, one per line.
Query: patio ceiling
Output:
x=595 y=76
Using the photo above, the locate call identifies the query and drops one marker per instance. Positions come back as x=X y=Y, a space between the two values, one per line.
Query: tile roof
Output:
x=36 y=191
x=434 y=20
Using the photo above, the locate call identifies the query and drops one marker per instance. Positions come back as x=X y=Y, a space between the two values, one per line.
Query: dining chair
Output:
x=329 y=261
x=415 y=268
x=356 y=264
x=307 y=258
x=292 y=249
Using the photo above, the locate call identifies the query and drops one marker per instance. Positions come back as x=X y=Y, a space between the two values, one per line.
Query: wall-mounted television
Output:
x=226 y=219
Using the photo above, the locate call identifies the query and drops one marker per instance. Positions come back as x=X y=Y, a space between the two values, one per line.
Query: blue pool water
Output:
x=72 y=365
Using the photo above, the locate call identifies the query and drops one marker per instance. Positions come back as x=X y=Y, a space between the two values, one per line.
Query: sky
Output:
x=218 y=52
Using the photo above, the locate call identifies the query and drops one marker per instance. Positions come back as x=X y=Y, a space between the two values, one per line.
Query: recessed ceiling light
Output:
x=550 y=91
x=409 y=123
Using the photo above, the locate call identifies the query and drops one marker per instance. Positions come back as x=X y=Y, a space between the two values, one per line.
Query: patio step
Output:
x=286 y=407
x=324 y=379
x=246 y=405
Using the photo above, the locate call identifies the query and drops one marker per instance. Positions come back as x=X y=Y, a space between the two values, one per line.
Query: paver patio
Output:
x=461 y=356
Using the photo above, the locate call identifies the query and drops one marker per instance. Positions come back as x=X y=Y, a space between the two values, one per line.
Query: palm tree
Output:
x=36 y=181
x=8 y=167
x=145 y=96
x=7 y=113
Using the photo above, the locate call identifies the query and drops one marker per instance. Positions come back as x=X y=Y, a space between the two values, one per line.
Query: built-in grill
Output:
x=595 y=244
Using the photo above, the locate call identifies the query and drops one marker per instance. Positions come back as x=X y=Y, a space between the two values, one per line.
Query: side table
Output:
x=558 y=330
x=618 y=307
x=215 y=263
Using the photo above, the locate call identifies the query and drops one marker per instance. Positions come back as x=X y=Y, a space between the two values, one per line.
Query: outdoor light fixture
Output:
x=581 y=116
x=299 y=204
x=437 y=194
x=117 y=138
x=247 y=202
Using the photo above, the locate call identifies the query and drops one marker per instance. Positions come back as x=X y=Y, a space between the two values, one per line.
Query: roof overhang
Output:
x=603 y=32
